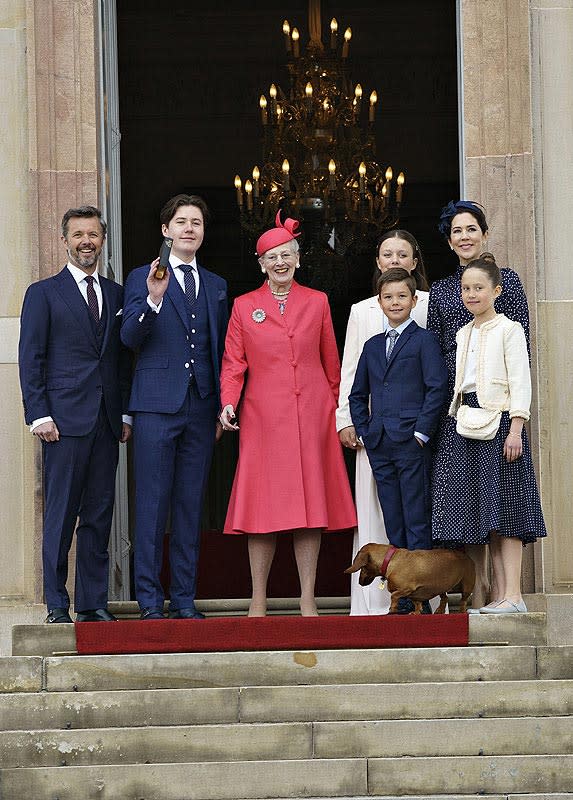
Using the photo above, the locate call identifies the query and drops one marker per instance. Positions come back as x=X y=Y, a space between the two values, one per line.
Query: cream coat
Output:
x=503 y=380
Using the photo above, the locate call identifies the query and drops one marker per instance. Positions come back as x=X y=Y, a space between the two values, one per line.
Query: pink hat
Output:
x=280 y=235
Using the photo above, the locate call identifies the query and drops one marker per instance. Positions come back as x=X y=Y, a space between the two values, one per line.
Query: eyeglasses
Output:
x=274 y=257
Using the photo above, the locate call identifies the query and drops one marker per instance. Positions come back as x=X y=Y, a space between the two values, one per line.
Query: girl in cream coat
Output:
x=490 y=496
x=396 y=248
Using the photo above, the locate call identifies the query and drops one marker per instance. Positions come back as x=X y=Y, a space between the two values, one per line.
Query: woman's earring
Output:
x=298 y=265
x=263 y=270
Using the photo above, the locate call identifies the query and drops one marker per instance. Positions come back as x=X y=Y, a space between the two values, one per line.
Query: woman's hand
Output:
x=228 y=419
x=348 y=437
x=513 y=446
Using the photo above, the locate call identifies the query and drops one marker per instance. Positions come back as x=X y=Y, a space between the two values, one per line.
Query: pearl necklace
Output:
x=278 y=294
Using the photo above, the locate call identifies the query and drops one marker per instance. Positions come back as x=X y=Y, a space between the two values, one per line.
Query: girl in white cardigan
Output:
x=491 y=496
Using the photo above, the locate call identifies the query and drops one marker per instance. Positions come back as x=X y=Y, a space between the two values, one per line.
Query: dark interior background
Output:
x=190 y=77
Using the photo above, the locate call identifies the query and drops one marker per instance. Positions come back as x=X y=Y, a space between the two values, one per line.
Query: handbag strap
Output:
x=463 y=363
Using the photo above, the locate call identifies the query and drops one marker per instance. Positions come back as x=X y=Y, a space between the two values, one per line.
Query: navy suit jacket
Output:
x=403 y=394
x=161 y=341
x=63 y=373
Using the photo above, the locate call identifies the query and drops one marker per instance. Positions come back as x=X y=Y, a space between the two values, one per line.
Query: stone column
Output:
x=49 y=93
x=552 y=93
x=497 y=154
x=17 y=256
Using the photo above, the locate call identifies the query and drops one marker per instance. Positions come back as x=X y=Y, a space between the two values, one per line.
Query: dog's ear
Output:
x=360 y=560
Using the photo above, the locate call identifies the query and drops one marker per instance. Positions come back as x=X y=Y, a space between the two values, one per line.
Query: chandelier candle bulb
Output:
x=332 y=174
x=286 y=181
x=362 y=179
x=273 y=96
x=263 y=105
x=372 y=109
x=308 y=95
x=256 y=176
x=239 y=191
x=295 y=43
x=347 y=38
x=358 y=97
x=400 y=182
x=333 y=32
x=249 y=191
x=286 y=31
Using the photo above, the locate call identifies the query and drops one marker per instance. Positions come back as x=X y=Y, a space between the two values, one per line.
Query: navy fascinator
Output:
x=458 y=207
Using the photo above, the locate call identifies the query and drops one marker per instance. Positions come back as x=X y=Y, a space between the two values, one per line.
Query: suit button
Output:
x=290 y=334
x=187 y=365
x=187 y=338
x=297 y=392
x=385 y=383
x=192 y=360
x=192 y=345
x=293 y=363
x=193 y=330
x=192 y=316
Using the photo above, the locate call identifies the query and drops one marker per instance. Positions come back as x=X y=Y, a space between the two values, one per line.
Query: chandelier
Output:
x=319 y=149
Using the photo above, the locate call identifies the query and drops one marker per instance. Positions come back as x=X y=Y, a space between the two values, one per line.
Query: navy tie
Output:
x=392 y=335
x=92 y=299
x=189 y=280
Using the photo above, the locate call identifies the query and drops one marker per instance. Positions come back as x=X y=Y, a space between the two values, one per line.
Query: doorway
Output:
x=189 y=77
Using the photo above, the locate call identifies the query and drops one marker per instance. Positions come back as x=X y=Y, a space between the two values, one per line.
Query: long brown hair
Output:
x=419 y=272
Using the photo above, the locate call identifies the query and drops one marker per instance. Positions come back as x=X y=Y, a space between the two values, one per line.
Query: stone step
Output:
x=279 y=668
x=139 y=708
x=420 y=777
x=289 y=741
x=20 y=674
x=516 y=629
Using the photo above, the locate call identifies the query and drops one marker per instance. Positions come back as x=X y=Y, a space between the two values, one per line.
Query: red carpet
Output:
x=271 y=633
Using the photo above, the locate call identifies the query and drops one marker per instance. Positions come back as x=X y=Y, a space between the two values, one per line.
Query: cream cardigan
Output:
x=503 y=380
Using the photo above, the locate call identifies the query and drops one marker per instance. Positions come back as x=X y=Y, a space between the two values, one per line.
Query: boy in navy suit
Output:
x=398 y=393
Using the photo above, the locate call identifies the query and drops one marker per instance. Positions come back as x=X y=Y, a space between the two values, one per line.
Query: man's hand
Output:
x=47 y=432
x=156 y=286
x=218 y=431
x=348 y=437
x=125 y=432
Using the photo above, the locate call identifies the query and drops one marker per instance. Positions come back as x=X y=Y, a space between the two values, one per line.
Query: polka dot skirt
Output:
x=476 y=491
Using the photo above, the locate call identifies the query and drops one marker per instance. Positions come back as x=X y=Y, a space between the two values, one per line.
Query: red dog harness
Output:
x=387 y=558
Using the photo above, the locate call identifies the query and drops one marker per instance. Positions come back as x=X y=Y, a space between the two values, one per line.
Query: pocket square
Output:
x=119 y=313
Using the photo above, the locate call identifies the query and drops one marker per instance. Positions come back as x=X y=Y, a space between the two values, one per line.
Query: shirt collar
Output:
x=401 y=328
x=79 y=275
x=175 y=261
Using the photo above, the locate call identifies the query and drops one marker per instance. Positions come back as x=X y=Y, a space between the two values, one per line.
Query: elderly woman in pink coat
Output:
x=279 y=383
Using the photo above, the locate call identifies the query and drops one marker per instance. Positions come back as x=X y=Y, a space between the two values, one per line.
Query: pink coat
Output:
x=291 y=472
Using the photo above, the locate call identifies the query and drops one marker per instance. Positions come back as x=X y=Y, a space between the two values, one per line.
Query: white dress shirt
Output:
x=179 y=275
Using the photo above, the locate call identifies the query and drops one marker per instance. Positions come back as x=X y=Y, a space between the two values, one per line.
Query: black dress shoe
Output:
x=405 y=606
x=185 y=613
x=426 y=607
x=151 y=613
x=95 y=615
x=58 y=615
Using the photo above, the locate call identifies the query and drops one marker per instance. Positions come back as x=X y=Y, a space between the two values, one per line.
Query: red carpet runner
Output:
x=222 y=634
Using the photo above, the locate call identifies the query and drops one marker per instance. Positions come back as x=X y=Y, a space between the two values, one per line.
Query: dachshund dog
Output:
x=417 y=574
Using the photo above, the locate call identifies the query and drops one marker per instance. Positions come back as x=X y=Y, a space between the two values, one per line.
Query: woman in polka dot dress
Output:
x=491 y=495
x=465 y=228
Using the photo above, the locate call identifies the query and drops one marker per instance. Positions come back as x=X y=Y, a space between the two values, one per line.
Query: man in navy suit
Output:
x=75 y=378
x=399 y=390
x=177 y=327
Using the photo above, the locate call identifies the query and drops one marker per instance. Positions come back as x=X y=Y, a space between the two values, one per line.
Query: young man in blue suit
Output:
x=398 y=393
x=75 y=380
x=176 y=325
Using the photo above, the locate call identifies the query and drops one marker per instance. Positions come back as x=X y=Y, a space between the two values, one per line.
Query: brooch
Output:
x=259 y=315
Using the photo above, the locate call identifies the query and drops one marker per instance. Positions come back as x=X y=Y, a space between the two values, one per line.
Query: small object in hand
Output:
x=164 y=258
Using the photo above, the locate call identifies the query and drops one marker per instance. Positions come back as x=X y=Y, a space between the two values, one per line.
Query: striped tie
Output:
x=392 y=335
x=189 y=279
